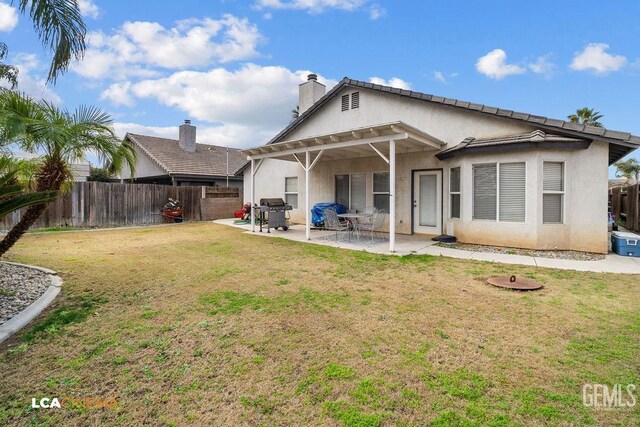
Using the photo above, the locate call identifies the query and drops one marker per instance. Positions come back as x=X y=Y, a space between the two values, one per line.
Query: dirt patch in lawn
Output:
x=203 y=324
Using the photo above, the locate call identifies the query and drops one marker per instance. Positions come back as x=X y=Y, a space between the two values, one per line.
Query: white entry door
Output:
x=427 y=202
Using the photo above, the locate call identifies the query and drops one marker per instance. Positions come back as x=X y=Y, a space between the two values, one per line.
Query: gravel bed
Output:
x=19 y=287
x=574 y=255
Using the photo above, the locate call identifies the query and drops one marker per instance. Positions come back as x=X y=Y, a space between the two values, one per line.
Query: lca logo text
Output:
x=602 y=396
x=73 y=403
x=46 y=403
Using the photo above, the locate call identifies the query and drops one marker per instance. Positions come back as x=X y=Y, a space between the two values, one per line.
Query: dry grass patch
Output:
x=200 y=323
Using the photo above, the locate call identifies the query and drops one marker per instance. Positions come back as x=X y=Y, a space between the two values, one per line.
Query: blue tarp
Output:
x=317 y=212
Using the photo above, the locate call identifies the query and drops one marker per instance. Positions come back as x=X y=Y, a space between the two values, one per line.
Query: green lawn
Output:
x=204 y=325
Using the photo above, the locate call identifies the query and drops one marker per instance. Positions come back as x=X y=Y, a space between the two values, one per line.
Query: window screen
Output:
x=484 y=191
x=512 y=192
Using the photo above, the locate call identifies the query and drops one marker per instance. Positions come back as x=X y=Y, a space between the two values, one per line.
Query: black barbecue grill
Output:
x=274 y=212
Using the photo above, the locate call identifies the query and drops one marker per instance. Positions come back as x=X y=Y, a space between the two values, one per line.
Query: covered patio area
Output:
x=404 y=244
x=383 y=140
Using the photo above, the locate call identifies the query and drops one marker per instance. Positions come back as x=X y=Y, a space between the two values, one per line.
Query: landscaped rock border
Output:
x=21 y=319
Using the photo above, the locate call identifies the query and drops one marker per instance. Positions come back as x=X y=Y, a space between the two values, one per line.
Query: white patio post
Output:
x=392 y=195
x=253 y=195
x=307 y=220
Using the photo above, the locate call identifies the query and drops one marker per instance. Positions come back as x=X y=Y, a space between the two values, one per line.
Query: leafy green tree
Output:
x=586 y=116
x=62 y=138
x=629 y=168
x=7 y=72
x=100 y=175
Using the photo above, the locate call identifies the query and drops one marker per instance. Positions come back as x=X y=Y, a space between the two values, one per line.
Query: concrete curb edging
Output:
x=23 y=318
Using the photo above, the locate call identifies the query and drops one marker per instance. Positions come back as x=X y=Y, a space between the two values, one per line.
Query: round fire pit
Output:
x=512 y=282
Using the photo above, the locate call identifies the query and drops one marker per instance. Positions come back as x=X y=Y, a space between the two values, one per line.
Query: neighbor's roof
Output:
x=207 y=160
x=535 y=139
x=622 y=143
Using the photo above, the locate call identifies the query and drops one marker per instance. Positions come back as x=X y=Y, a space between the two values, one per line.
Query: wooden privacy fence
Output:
x=625 y=205
x=100 y=204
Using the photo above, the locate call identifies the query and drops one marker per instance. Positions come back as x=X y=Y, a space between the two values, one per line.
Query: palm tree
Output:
x=14 y=197
x=629 y=168
x=60 y=28
x=61 y=137
x=295 y=113
x=586 y=116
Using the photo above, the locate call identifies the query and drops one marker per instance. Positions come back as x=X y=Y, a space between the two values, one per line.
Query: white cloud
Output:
x=118 y=94
x=393 y=82
x=139 y=49
x=494 y=65
x=236 y=136
x=29 y=81
x=543 y=66
x=439 y=76
x=247 y=106
x=312 y=6
x=8 y=17
x=376 y=12
x=88 y=8
x=594 y=57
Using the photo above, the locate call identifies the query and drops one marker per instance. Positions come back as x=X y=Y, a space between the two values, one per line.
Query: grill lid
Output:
x=273 y=202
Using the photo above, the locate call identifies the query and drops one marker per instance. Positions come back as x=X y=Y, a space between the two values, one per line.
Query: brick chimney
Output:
x=187 y=139
x=310 y=92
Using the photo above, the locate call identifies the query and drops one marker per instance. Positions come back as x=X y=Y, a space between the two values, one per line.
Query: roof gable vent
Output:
x=345 y=102
x=355 y=100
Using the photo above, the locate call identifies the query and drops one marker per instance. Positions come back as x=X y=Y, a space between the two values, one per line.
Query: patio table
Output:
x=353 y=219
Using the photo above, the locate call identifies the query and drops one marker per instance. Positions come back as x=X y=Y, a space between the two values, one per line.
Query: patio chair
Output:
x=332 y=222
x=375 y=226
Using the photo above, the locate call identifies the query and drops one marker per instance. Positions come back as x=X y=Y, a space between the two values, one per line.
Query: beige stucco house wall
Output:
x=584 y=225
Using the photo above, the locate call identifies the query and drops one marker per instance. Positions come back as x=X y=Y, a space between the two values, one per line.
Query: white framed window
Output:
x=381 y=190
x=351 y=191
x=499 y=191
x=291 y=191
x=553 y=192
x=485 y=191
x=454 y=192
x=512 y=191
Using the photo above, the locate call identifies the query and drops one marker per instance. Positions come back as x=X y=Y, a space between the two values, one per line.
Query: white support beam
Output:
x=299 y=161
x=392 y=195
x=316 y=159
x=253 y=195
x=257 y=167
x=307 y=207
x=380 y=153
x=343 y=144
x=375 y=132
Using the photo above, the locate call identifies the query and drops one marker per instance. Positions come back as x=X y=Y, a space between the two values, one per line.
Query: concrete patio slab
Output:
x=420 y=245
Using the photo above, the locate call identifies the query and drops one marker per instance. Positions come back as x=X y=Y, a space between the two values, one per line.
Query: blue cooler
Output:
x=625 y=244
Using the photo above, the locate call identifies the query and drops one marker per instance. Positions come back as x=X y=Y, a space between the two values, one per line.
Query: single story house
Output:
x=182 y=161
x=440 y=165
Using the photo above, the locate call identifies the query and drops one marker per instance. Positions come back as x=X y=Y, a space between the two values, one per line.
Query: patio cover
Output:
x=384 y=140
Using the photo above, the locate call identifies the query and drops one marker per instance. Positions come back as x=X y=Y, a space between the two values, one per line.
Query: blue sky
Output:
x=233 y=66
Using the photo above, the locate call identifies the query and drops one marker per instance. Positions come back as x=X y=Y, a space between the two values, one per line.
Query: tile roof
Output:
x=207 y=160
x=537 y=138
x=624 y=142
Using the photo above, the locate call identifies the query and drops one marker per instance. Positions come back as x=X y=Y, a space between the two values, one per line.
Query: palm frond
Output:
x=60 y=27
x=20 y=201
